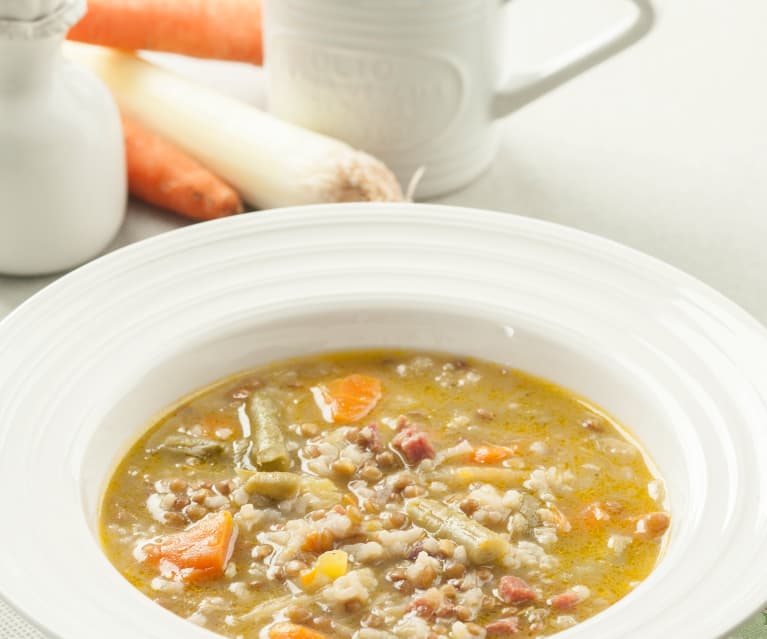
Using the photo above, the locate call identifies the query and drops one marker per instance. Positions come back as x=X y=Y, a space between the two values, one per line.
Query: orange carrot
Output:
x=162 y=174
x=491 y=454
x=288 y=630
x=220 y=29
x=198 y=553
x=348 y=399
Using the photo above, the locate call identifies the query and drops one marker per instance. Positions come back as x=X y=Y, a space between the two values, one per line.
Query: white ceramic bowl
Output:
x=87 y=362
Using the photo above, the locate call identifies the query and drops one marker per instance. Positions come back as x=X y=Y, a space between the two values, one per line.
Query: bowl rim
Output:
x=156 y=249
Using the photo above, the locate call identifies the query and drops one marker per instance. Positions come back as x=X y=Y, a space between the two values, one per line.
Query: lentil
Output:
x=199 y=496
x=294 y=568
x=454 y=570
x=463 y=613
x=309 y=429
x=311 y=451
x=371 y=474
x=195 y=512
x=469 y=506
x=174 y=519
x=386 y=459
x=177 y=485
x=223 y=487
x=412 y=490
x=180 y=502
x=403 y=481
x=446 y=547
x=343 y=467
x=425 y=577
x=299 y=614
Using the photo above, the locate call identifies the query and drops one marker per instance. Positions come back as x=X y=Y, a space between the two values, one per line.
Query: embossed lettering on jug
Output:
x=404 y=100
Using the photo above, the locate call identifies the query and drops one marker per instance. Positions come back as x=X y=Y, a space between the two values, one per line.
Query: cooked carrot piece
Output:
x=294 y=631
x=198 y=553
x=348 y=399
x=491 y=454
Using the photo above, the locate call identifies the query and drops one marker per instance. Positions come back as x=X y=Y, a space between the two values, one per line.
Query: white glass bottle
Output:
x=62 y=157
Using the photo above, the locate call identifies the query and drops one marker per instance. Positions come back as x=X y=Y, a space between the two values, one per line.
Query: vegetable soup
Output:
x=384 y=495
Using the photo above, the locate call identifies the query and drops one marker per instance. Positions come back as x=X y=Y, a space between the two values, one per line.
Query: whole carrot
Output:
x=162 y=174
x=220 y=29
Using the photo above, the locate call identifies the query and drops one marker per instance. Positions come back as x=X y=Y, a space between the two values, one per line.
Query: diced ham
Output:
x=414 y=444
x=505 y=627
x=370 y=438
x=565 y=600
x=514 y=590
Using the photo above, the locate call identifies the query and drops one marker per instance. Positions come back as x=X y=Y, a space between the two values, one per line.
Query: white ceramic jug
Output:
x=415 y=82
x=62 y=158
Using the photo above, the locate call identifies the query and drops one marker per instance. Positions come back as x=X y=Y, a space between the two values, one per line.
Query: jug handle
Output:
x=519 y=90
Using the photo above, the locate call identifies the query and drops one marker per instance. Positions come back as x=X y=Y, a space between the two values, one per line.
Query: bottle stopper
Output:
x=35 y=19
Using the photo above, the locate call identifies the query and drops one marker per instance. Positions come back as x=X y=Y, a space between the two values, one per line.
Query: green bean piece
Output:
x=482 y=545
x=268 y=452
x=198 y=447
x=272 y=484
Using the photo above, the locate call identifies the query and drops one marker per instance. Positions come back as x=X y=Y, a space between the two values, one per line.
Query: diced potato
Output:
x=330 y=565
